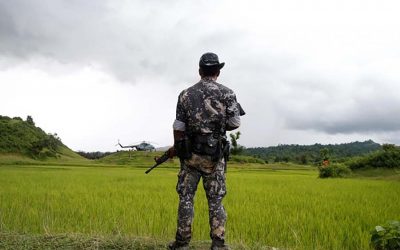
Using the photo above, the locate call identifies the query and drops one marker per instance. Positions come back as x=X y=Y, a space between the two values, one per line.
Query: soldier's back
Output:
x=205 y=106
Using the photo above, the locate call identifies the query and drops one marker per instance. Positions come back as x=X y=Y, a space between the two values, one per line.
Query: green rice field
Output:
x=287 y=209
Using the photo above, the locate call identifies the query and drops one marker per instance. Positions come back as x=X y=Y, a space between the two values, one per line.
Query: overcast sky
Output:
x=304 y=71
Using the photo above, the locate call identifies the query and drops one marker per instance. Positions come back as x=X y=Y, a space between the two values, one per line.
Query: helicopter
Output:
x=143 y=146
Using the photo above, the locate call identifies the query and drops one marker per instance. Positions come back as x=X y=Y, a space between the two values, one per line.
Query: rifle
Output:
x=160 y=160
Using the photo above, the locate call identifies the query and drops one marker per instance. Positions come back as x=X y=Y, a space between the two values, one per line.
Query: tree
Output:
x=236 y=148
x=324 y=153
x=303 y=159
x=30 y=121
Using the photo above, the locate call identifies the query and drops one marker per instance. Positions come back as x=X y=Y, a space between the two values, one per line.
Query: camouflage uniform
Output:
x=205 y=108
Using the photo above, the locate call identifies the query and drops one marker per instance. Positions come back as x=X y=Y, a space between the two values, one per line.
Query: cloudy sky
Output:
x=304 y=71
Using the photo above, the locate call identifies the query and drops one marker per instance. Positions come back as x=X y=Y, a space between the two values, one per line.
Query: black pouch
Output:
x=208 y=145
x=183 y=149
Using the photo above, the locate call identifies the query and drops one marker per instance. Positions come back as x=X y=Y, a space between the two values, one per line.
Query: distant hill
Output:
x=22 y=137
x=306 y=154
x=136 y=158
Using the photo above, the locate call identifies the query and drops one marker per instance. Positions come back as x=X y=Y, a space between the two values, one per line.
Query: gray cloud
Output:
x=290 y=72
x=146 y=41
x=367 y=106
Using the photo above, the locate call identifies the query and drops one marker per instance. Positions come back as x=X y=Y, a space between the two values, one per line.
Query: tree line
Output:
x=312 y=154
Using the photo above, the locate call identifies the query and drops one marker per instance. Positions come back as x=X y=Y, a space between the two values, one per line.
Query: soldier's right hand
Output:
x=171 y=152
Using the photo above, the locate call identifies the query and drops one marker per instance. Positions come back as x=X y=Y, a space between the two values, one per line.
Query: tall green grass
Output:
x=281 y=208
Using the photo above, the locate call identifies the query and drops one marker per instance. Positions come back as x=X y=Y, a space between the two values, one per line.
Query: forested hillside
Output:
x=308 y=154
x=23 y=137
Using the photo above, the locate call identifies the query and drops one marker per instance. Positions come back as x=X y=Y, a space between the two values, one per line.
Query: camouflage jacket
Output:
x=206 y=107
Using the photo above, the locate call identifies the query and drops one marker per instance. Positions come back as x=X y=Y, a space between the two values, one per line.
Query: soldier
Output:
x=204 y=113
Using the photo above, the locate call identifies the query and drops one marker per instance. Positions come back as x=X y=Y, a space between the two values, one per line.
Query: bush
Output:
x=357 y=162
x=386 y=237
x=389 y=157
x=46 y=146
x=334 y=171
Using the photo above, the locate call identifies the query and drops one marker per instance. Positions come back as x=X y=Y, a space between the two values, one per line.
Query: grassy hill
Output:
x=136 y=159
x=22 y=141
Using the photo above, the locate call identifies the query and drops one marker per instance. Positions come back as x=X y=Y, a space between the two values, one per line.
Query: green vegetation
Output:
x=51 y=197
x=235 y=147
x=93 y=155
x=281 y=208
x=311 y=154
x=334 y=171
x=143 y=159
x=65 y=156
x=23 y=137
x=246 y=159
x=377 y=173
x=388 y=157
x=76 y=241
x=386 y=237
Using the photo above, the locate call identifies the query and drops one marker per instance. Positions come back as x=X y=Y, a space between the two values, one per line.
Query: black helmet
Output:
x=210 y=59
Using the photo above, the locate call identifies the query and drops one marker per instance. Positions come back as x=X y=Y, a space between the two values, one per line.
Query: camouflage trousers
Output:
x=215 y=189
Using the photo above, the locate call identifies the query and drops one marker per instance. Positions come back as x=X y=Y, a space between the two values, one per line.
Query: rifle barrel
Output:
x=159 y=161
x=148 y=170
